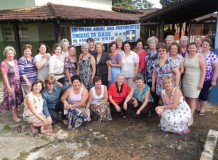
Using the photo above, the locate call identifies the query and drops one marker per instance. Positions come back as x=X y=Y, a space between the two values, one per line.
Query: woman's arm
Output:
x=31 y=106
x=182 y=68
x=105 y=97
x=67 y=73
x=93 y=64
x=136 y=68
x=41 y=63
x=154 y=77
x=130 y=96
x=85 y=96
x=202 y=63
x=89 y=100
x=147 y=95
x=119 y=64
x=5 y=79
x=215 y=74
x=177 y=75
x=64 y=99
x=109 y=71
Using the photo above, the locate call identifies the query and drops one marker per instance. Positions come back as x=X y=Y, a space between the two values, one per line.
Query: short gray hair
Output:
x=153 y=38
x=170 y=36
x=85 y=45
x=120 y=74
x=183 y=38
x=7 y=49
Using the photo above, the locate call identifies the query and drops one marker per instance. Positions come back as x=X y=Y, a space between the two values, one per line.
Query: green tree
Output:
x=166 y=3
x=133 y=4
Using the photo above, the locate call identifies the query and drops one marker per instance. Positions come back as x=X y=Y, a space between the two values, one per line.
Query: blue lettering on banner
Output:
x=104 y=34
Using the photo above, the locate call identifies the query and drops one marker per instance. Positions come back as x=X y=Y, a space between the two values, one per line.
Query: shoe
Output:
x=201 y=114
x=123 y=114
x=16 y=119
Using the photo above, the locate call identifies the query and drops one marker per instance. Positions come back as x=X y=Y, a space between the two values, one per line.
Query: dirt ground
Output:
x=124 y=139
x=142 y=139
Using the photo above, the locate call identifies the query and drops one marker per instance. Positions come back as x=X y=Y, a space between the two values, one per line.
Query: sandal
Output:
x=16 y=119
x=201 y=114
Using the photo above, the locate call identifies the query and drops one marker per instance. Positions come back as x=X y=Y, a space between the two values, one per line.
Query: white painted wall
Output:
x=95 y=4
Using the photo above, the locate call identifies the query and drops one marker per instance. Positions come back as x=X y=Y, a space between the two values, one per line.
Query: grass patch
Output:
x=7 y=127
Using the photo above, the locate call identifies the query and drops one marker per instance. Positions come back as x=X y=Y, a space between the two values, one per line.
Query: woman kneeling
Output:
x=175 y=113
x=98 y=101
x=139 y=97
x=74 y=100
x=33 y=109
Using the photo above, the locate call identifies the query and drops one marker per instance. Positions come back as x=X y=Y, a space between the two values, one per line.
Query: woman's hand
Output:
x=152 y=88
x=125 y=106
x=49 y=120
x=28 y=84
x=66 y=105
x=138 y=112
x=159 y=109
x=109 y=79
x=96 y=106
x=118 y=108
x=135 y=103
x=200 y=86
x=109 y=62
x=10 y=91
x=213 y=83
x=45 y=122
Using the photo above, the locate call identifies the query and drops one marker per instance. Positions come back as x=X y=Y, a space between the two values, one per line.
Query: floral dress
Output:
x=85 y=71
x=12 y=101
x=175 y=120
x=164 y=71
x=71 y=65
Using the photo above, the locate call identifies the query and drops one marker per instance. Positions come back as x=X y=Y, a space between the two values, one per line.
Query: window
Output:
x=65 y=32
x=8 y=33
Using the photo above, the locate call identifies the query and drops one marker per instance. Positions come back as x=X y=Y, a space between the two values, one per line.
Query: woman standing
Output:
x=64 y=46
x=198 y=42
x=27 y=69
x=103 y=68
x=119 y=45
x=142 y=54
x=98 y=101
x=11 y=84
x=115 y=61
x=56 y=64
x=130 y=63
x=194 y=75
x=183 y=45
x=70 y=64
x=151 y=57
x=33 y=110
x=174 y=49
x=74 y=100
x=175 y=112
x=169 y=39
x=86 y=67
x=41 y=61
x=211 y=74
x=164 y=66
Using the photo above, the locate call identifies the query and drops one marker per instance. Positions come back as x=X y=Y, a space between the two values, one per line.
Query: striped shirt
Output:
x=27 y=67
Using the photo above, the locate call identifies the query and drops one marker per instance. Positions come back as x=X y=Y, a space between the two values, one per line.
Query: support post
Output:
x=17 y=39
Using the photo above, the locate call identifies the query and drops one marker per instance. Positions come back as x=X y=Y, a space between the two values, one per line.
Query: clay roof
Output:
x=63 y=12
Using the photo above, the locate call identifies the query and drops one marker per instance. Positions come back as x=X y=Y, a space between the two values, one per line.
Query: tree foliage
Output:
x=133 y=4
x=166 y=3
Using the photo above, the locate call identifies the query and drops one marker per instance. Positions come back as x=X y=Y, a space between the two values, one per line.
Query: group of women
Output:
x=60 y=88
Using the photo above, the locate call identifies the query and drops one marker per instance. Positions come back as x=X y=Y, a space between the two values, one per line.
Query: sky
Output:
x=156 y=3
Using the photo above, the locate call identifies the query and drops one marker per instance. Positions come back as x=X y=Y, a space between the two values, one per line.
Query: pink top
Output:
x=75 y=98
x=4 y=67
x=142 y=56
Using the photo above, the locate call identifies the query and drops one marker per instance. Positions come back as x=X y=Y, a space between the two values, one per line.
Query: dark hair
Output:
x=140 y=40
x=191 y=43
x=139 y=76
x=55 y=46
x=36 y=82
x=96 y=79
x=90 y=40
x=71 y=46
x=127 y=42
x=46 y=46
x=209 y=41
x=162 y=45
x=75 y=77
x=175 y=44
x=112 y=43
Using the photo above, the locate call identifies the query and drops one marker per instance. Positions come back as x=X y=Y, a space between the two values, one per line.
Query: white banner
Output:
x=105 y=34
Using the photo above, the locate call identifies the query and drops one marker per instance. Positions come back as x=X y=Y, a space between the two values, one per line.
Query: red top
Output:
x=142 y=56
x=118 y=97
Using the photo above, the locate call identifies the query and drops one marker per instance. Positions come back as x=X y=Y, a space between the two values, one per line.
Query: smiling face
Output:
x=120 y=80
x=42 y=49
x=162 y=52
x=139 y=46
x=65 y=46
x=139 y=83
x=169 y=41
x=173 y=50
x=152 y=45
x=168 y=84
x=184 y=42
x=57 y=51
x=119 y=44
x=10 y=55
x=98 y=84
x=76 y=84
x=27 y=53
x=98 y=48
x=198 y=42
x=192 y=49
x=50 y=86
x=113 y=48
x=127 y=48
x=72 y=51
x=37 y=88
x=206 y=46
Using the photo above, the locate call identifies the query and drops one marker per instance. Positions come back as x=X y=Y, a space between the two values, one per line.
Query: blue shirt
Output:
x=140 y=96
x=51 y=99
